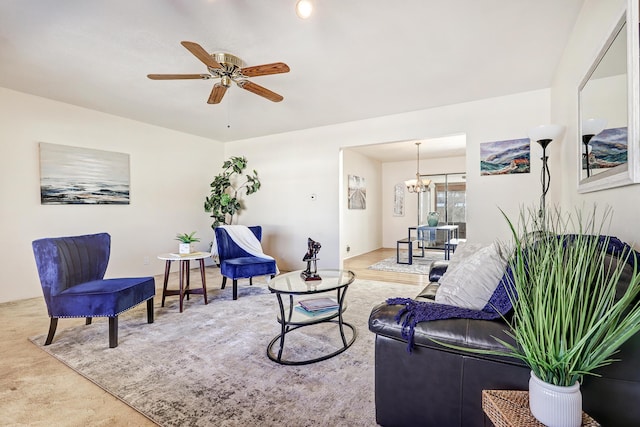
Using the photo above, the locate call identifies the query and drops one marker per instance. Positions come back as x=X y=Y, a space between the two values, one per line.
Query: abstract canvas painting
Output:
x=357 y=193
x=398 y=200
x=79 y=176
x=505 y=157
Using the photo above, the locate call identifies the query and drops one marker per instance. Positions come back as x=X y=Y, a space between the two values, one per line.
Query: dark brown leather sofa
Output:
x=437 y=386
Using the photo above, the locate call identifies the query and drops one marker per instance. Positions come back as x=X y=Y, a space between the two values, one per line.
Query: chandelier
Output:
x=417 y=185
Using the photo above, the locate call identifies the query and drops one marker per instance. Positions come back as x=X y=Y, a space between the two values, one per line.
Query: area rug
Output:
x=208 y=365
x=419 y=265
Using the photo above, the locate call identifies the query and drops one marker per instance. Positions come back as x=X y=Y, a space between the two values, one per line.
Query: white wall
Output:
x=170 y=176
x=592 y=28
x=395 y=227
x=294 y=165
x=362 y=229
x=170 y=173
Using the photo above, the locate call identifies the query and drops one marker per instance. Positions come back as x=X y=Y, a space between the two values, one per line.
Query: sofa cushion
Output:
x=471 y=281
x=463 y=251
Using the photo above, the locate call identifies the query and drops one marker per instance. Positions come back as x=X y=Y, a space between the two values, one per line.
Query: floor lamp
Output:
x=591 y=128
x=543 y=135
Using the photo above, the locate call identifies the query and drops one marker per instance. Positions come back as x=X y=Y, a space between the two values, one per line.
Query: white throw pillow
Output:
x=472 y=281
x=464 y=250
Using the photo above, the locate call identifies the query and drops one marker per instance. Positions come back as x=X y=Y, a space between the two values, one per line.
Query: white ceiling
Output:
x=433 y=148
x=351 y=60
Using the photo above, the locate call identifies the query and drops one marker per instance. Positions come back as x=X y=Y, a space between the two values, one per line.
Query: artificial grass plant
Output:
x=566 y=319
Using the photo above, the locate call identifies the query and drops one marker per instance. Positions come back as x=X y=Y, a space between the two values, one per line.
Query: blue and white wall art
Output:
x=82 y=176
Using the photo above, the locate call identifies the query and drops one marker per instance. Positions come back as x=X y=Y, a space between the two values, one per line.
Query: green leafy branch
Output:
x=187 y=238
x=223 y=202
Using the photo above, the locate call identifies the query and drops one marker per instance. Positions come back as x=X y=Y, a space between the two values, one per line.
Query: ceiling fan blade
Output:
x=178 y=76
x=265 y=69
x=199 y=52
x=259 y=90
x=217 y=93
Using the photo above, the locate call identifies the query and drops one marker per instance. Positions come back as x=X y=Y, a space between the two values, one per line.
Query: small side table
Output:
x=184 y=275
x=510 y=408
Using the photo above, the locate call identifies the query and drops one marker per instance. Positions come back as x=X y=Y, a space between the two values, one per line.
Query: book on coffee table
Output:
x=314 y=313
x=315 y=304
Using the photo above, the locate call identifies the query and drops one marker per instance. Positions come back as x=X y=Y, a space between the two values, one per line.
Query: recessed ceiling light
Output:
x=304 y=8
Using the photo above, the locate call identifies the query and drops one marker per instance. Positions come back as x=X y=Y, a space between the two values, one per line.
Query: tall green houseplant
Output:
x=226 y=188
x=567 y=320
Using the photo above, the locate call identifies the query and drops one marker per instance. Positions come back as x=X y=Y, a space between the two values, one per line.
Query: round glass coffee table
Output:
x=305 y=303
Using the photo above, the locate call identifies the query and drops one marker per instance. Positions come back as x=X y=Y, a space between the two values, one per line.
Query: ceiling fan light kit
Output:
x=227 y=68
x=304 y=8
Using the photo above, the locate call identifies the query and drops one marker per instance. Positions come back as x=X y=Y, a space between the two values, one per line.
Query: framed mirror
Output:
x=608 y=143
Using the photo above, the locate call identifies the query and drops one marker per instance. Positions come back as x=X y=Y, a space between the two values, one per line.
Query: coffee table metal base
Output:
x=280 y=339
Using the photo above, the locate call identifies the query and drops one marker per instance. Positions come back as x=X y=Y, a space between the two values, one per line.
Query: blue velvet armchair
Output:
x=236 y=263
x=71 y=271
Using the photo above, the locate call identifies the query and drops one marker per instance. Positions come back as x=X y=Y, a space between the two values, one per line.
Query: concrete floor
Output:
x=38 y=390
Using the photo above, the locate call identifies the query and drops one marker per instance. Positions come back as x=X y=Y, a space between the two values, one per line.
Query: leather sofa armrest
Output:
x=429 y=292
x=469 y=333
x=437 y=270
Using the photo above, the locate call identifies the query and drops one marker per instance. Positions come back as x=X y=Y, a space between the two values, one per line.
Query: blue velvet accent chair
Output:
x=71 y=271
x=235 y=263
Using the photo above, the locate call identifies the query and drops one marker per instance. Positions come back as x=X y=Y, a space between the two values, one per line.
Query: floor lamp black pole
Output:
x=545 y=176
x=585 y=140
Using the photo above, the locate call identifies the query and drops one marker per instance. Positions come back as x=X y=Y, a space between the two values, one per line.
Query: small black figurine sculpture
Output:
x=313 y=248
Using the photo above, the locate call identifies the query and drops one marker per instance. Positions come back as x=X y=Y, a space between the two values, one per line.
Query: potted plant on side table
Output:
x=186 y=241
x=567 y=320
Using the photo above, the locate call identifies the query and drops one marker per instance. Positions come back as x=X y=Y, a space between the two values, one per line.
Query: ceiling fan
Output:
x=227 y=68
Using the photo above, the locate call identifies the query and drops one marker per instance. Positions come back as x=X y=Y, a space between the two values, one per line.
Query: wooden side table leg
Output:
x=167 y=269
x=204 y=281
x=188 y=275
x=181 y=283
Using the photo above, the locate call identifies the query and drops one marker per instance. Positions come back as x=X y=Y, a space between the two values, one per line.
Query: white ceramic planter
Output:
x=555 y=406
x=184 y=248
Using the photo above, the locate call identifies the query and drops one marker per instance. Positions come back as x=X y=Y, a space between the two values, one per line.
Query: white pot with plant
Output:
x=566 y=319
x=186 y=241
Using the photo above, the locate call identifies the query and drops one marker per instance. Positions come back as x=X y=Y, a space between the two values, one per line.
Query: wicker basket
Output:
x=510 y=408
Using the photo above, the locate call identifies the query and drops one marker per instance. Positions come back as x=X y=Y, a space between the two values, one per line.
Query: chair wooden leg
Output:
x=52 y=330
x=150 y=310
x=224 y=282
x=113 y=332
x=87 y=321
x=235 y=288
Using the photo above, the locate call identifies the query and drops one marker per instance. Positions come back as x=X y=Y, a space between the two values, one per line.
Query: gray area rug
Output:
x=208 y=365
x=419 y=265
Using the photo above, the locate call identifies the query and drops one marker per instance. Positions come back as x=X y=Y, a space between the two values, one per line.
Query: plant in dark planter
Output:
x=224 y=202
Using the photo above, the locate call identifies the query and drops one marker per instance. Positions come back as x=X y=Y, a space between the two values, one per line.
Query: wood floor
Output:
x=359 y=264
